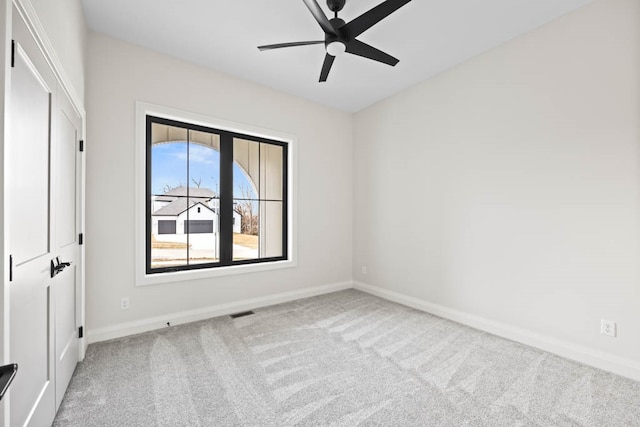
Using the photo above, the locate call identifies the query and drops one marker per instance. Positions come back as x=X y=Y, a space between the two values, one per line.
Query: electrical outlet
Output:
x=364 y=270
x=124 y=303
x=608 y=327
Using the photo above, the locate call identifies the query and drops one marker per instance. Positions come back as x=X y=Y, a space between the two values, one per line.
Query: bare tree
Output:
x=168 y=187
x=244 y=208
x=198 y=182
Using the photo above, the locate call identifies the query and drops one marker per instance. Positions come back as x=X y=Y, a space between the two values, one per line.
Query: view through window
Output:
x=214 y=198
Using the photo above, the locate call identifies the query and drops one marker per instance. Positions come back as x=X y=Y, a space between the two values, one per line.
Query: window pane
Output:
x=201 y=219
x=246 y=169
x=271 y=172
x=258 y=180
x=246 y=181
x=246 y=232
x=168 y=172
x=271 y=227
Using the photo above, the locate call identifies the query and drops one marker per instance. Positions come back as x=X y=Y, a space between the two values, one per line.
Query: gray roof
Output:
x=179 y=205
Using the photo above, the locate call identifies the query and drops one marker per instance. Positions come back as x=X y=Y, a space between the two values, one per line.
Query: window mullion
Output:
x=186 y=226
x=226 y=199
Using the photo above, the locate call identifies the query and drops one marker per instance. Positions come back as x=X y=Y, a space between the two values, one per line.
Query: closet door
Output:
x=43 y=208
x=32 y=394
x=66 y=201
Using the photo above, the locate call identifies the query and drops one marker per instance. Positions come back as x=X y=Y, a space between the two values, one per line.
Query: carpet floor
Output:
x=342 y=359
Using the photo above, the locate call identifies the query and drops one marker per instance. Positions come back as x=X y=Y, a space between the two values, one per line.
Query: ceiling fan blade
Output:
x=356 y=47
x=326 y=67
x=292 y=44
x=320 y=16
x=368 y=19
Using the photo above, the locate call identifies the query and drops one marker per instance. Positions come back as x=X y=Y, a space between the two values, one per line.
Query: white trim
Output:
x=6 y=32
x=141 y=277
x=160 y=322
x=589 y=356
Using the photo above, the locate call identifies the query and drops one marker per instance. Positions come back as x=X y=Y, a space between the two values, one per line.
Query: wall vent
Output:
x=242 y=314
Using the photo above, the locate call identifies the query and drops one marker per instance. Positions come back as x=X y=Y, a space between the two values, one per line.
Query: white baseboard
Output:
x=598 y=359
x=159 y=322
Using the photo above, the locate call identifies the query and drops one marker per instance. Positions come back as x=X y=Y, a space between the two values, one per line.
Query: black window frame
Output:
x=226 y=220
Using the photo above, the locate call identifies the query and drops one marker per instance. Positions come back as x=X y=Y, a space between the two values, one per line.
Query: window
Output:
x=166 y=227
x=214 y=197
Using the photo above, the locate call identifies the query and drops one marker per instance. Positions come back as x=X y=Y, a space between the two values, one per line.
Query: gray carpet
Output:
x=342 y=359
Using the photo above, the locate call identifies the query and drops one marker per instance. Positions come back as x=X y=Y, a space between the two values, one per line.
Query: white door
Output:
x=66 y=160
x=32 y=397
x=43 y=218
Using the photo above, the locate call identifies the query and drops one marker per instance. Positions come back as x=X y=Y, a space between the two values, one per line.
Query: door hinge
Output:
x=80 y=332
x=11 y=268
x=81 y=239
x=81 y=145
x=13 y=53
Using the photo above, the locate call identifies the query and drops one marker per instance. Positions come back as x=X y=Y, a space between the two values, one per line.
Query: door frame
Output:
x=26 y=11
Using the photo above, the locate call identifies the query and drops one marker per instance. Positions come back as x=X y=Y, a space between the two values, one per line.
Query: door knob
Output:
x=62 y=264
x=57 y=267
x=7 y=373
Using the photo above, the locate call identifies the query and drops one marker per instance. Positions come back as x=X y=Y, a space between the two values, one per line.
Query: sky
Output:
x=170 y=168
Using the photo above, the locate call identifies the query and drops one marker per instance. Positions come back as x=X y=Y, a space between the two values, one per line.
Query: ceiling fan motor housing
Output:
x=340 y=35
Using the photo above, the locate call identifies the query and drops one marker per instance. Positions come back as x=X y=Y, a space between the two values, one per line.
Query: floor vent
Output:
x=244 y=313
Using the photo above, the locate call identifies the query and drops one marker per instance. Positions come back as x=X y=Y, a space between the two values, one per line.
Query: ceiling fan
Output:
x=340 y=37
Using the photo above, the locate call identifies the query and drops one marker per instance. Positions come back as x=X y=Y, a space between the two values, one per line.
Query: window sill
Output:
x=180 y=276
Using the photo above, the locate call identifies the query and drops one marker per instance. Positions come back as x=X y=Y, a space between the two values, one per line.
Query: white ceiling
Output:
x=428 y=36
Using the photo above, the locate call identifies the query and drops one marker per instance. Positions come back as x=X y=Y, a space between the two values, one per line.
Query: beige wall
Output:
x=63 y=20
x=508 y=187
x=120 y=74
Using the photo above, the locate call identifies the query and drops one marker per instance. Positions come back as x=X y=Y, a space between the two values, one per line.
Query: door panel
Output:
x=28 y=184
x=30 y=107
x=32 y=390
x=66 y=182
x=66 y=245
x=66 y=336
